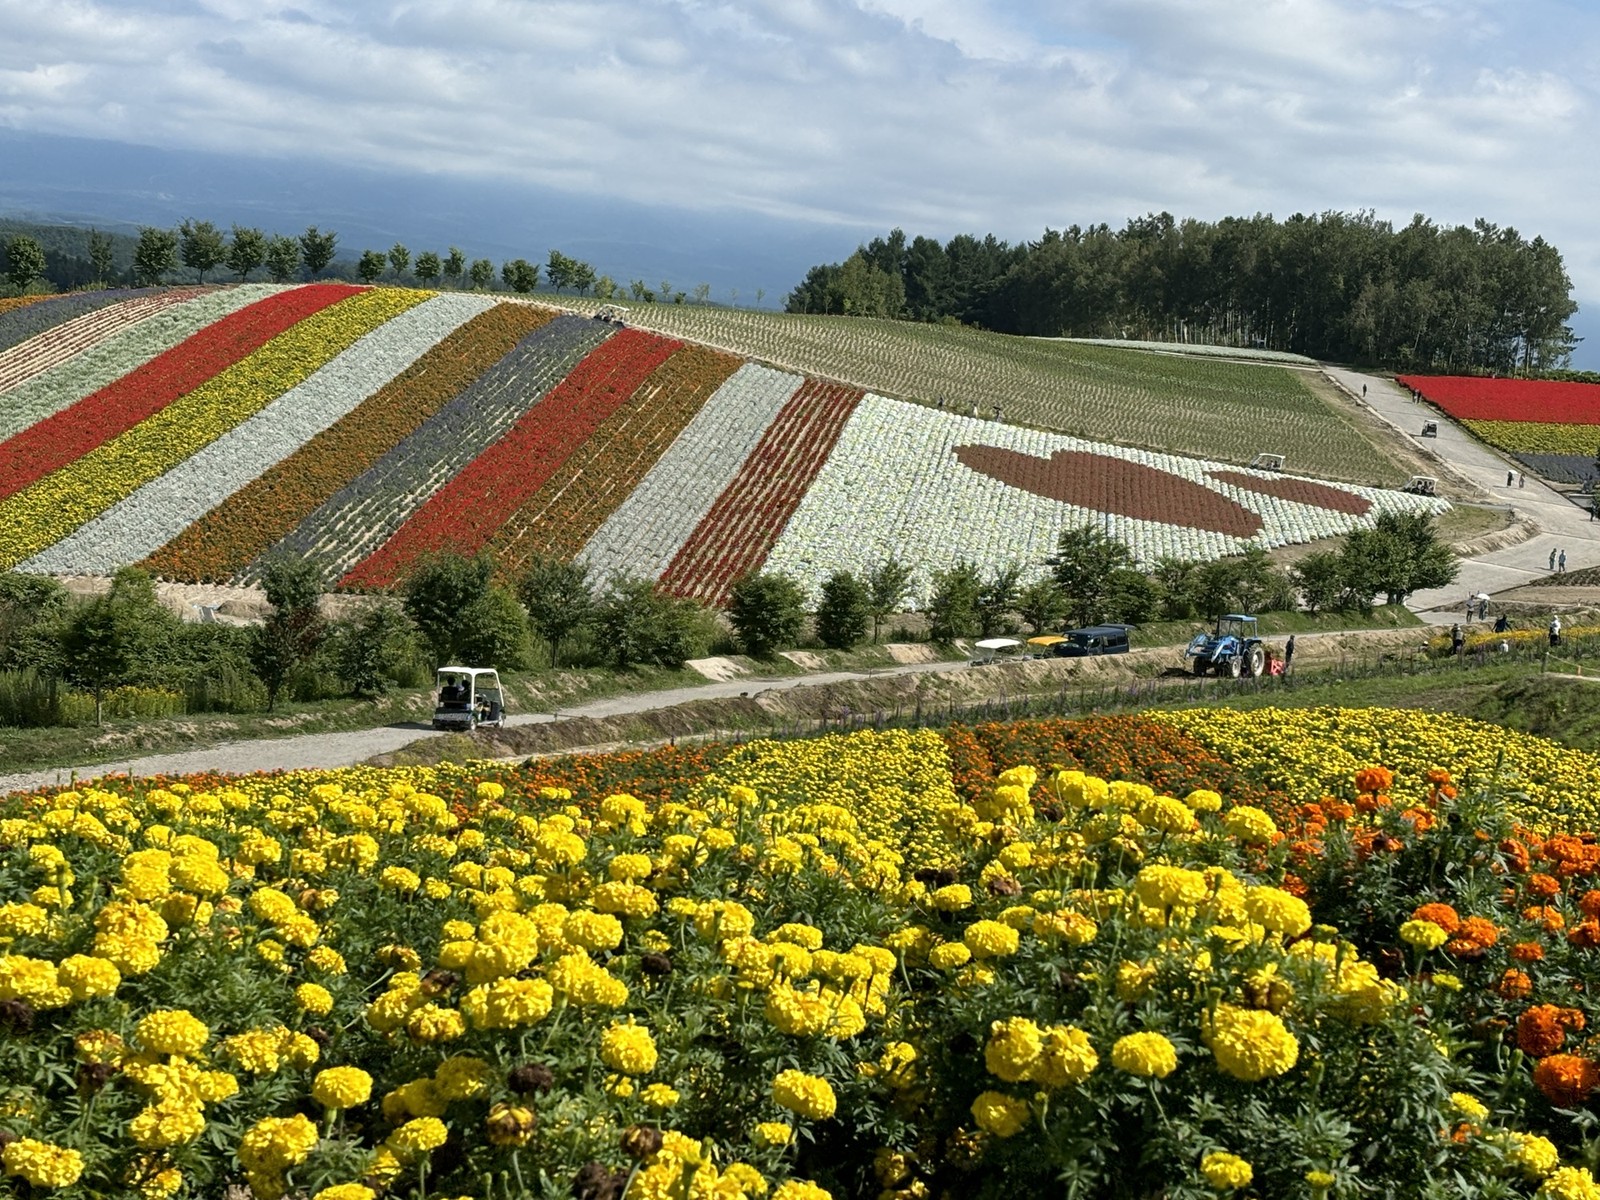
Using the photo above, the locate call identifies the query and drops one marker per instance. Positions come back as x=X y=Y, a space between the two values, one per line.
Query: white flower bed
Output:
x=893 y=486
x=653 y=523
x=123 y=352
x=147 y=519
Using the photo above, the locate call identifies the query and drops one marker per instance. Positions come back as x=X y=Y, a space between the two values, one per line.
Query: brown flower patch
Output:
x=1300 y=491
x=1115 y=485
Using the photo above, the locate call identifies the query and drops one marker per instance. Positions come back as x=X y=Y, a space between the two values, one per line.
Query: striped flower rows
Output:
x=159 y=511
x=21 y=363
x=121 y=353
x=28 y=321
x=464 y=514
x=363 y=515
x=42 y=515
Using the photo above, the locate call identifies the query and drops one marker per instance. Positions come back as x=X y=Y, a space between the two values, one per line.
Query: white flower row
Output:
x=123 y=352
x=148 y=518
x=56 y=345
x=893 y=486
x=652 y=524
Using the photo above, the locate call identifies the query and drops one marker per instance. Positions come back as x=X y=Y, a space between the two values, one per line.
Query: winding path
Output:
x=1564 y=525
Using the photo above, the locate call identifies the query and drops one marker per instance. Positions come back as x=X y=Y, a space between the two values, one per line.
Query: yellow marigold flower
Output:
x=257 y=1051
x=301 y=1050
x=798 y=1189
x=1277 y=911
x=1067 y=926
x=624 y=899
x=172 y=1031
x=808 y=1095
x=314 y=999
x=418 y=1136
x=773 y=1133
x=1226 y=1172
x=659 y=1095
x=990 y=939
x=1148 y=1054
x=86 y=977
x=592 y=930
x=999 y=1114
x=1013 y=1046
x=1166 y=815
x=341 y=1087
x=1203 y=800
x=1424 y=935
x=23 y=920
x=1569 y=1183
x=346 y=1191
x=952 y=897
x=463 y=1077
x=1249 y=825
x=1164 y=886
x=949 y=956
x=327 y=960
x=628 y=1048
x=42 y=1164
x=435 y=1023
x=1250 y=1044
x=274 y=1144
x=166 y=1124
x=1468 y=1107
x=510 y=1125
x=1066 y=1057
x=399 y=879
x=1533 y=1155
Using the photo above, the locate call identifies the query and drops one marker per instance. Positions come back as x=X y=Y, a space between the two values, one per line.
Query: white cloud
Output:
x=939 y=115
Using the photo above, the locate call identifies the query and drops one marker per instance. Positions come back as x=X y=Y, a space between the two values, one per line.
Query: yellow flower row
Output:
x=1310 y=752
x=1539 y=437
x=44 y=513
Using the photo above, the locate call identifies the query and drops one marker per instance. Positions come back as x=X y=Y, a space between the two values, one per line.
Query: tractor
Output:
x=1233 y=648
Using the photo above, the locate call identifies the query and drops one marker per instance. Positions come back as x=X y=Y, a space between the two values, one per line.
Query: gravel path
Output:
x=1564 y=525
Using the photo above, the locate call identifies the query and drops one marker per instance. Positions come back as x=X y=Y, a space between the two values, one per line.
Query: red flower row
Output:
x=464 y=514
x=70 y=434
x=746 y=521
x=1471 y=398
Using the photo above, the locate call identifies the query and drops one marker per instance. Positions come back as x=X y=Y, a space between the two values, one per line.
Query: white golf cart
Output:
x=995 y=650
x=469 y=697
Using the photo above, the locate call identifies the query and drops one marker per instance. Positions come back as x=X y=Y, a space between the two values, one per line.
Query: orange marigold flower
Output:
x=1516 y=853
x=1437 y=776
x=1585 y=934
x=1541 y=1030
x=1420 y=819
x=1472 y=937
x=1544 y=886
x=1550 y=918
x=1374 y=779
x=1566 y=1079
x=1442 y=915
x=1528 y=952
x=1515 y=985
x=1589 y=903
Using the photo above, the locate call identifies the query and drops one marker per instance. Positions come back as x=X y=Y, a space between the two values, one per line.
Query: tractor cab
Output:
x=1267 y=462
x=612 y=314
x=468 y=698
x=1422 y=485
x=1233 y=648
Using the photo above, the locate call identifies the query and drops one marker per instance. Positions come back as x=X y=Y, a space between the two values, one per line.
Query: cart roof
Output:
x=997 y=644
x=473 y=671
x=1049 y=639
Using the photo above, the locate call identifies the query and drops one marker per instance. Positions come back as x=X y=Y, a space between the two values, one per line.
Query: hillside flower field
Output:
x=1552 y=426
x=987 y=961
x=197 y=431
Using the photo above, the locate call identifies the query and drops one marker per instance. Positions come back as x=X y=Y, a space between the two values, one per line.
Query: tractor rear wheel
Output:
x=1236 y=666
x=1256 y=662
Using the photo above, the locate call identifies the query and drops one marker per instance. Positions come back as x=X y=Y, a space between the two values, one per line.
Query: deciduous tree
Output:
x=102 y=255
x=247 y=251
x=156 y=255
x=317 y=249
x=428 y=268
x=559 y=601
x=201 y=247
x=283 y=258
x=767 y=611
x=844 y=612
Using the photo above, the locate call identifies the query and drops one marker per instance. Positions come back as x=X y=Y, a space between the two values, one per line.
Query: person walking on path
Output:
x=1555 y=630
x=1510 y=478
x=1471 y=603
x=1483 y=609
x=1594 y=507
x=1522 y=479
x=1288 y=653
x=1561 y=563
x=1458 y=639
x=1552 y=559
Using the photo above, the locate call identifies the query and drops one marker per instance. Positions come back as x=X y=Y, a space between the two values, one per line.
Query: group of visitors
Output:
x=1558 y=561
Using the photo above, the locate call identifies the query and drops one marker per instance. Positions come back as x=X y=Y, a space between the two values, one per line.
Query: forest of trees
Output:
x=1340 y=286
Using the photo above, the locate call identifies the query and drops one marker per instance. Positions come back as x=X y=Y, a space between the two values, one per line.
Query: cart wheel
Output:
x=1236 y=666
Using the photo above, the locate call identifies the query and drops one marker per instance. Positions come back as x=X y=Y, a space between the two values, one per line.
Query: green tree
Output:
x=116 y=638
x=702 y=293
x=767 y=611
x=399 y=260
x=1175 y=577
x=582 y=276
x=1403 y=554
x=639 y=624
x=365 y=647
x=520 y=275
x=605 y=288
x=482 y=273
x=247 y=251
x=24 y=261
x=372 y=265
x=559 y=601
x=201 y=247
x=283 y=258
x=1319 y=576
x=1216 y=588
x=31 y=610
x=1042 y=606
x=102 y=256
x=1082 y=567
x=997 y=600
x=844 y=612
x=455 y=265
x=1131 y=597
x=428 y=268
x=295 y=630
x=888 y=585
x=437 y=596
x=317 y=249
x=493 y=631
x=953 y=607
x=156 y=255
x=560 y=270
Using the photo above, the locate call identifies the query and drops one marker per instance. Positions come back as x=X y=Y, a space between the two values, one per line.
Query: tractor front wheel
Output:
x=1256 y=665
x=1236 y=666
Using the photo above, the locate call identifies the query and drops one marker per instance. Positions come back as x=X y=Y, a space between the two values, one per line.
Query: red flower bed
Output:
x=70 y=434
x=1471 y=398
x=744 y=524
x=464 y=514
x=1300 y=491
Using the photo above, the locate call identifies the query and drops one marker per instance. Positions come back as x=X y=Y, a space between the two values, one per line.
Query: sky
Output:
x=741 y=142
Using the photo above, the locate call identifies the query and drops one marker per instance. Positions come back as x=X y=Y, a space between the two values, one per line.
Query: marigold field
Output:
x=1328 y=953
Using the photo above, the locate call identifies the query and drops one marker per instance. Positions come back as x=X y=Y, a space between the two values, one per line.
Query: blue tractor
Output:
x=1233 y=648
